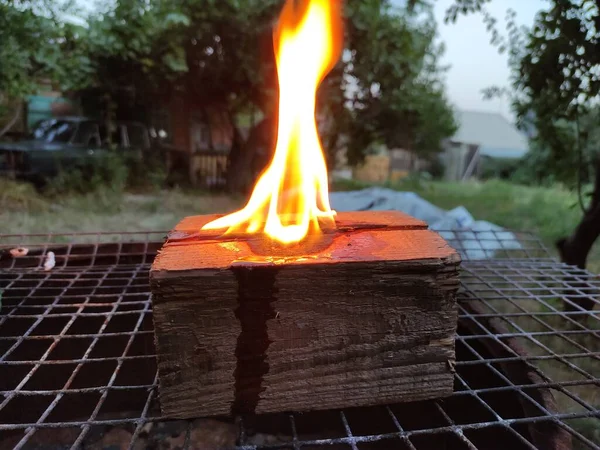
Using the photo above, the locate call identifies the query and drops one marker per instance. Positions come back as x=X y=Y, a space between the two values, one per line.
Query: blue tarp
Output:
x=474 y=239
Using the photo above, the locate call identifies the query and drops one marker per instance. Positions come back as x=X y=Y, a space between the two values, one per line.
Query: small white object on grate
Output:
x=50 y=261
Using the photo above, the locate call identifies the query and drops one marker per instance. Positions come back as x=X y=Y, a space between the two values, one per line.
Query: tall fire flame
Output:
x=291 y=198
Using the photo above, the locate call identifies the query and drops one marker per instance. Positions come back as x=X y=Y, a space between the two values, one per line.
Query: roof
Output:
x=492 y=132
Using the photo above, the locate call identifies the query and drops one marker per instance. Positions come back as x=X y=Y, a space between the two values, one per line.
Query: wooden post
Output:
x=367 y=318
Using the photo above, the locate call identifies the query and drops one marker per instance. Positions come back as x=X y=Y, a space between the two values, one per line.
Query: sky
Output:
x=475 y=63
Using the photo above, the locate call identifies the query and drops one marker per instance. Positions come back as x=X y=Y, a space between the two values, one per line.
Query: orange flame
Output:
x=291 y=196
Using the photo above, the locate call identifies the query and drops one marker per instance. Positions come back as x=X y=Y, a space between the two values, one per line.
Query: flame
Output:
x=291 y=197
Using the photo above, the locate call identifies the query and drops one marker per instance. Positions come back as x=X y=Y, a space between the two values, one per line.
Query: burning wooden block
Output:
x=289 y=310
x=366 y=317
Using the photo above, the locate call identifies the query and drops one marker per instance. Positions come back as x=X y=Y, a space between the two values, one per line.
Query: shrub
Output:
x=543 y=166
x=436 y=167
x=112 y=173
x=20 y=196
x=498 y=168
x=108 y=172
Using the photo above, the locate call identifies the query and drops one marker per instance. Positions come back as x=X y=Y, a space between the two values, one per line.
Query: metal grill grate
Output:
x=77 y=364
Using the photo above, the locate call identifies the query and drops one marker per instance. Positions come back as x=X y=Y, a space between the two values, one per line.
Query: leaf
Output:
x=176 y=61
x=177 y=18
x=149 y=63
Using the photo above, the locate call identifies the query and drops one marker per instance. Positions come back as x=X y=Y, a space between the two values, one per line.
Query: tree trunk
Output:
x=248 y=158
x=238 y=167
x=574 y=249
x=12 y=121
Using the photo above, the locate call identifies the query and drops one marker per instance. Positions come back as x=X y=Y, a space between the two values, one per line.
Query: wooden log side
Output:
x=369 y=320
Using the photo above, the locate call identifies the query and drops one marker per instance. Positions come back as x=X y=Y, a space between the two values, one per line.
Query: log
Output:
x=242 y=327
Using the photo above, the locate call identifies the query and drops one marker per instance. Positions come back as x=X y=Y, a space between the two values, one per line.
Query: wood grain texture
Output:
x=393 y=219
x=369 y=320
x=377 y=238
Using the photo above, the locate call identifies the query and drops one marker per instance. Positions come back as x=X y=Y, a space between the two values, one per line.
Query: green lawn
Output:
x=550 y=212
x=23 y=210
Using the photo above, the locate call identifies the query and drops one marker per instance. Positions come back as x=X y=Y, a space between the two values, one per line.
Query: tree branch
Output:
x=12 y=121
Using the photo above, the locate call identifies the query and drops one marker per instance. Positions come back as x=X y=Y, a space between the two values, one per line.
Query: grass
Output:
x=23 y=210
x=549 y=212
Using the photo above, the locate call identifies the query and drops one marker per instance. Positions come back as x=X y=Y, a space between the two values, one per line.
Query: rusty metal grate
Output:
x=77 y=366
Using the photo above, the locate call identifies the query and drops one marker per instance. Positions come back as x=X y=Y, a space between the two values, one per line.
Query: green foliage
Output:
x=24 y=50
x=230 y=52
x=134 y=54
x=436 y=167
x=19 y=196
x=554 y=87
x=561 y=152
x=147 y=50
x=112 y=174
x=464 y=7
x=543 y=166
x=498 y=168
x=517 y=207
x=36 y=44
x=396 y=93
x=344 y=185
x=133 y=38
x=557 y=65
x=222 y=53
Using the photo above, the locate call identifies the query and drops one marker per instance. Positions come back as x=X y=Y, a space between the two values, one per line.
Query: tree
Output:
x=35 y=44
x=134 y=53
x=397 y=97
x=222 y=52
x=556 y=81
x=232 y=64
x=218 y=52
x=543 y=164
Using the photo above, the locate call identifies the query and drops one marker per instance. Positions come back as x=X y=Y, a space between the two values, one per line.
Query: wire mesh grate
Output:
x=78 y=370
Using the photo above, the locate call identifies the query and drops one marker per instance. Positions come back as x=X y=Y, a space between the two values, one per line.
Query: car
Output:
x=63 y=143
